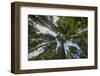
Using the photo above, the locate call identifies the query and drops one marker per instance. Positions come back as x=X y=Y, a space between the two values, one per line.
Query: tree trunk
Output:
x=61 y=51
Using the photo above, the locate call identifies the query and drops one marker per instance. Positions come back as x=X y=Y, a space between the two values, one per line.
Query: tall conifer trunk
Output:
x=61 y=51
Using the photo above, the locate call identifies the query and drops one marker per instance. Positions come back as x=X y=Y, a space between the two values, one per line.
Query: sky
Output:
x=45 y=30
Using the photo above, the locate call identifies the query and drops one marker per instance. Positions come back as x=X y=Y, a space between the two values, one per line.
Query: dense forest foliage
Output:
x=57 y=37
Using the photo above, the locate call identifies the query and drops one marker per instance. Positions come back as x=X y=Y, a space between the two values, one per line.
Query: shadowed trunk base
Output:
x=61 y=52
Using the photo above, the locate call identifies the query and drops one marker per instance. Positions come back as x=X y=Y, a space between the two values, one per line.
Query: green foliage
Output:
x=82 y=40
x=71 y=52
x=65 y=27
x=47 y=54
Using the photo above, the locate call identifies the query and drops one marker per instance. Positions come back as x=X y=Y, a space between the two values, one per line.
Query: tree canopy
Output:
x=57 y=37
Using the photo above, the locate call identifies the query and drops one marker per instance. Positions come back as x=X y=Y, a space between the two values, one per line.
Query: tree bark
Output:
x=61 y=51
